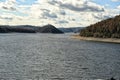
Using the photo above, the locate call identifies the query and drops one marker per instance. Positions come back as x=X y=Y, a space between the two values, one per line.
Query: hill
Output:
x=109 y=28
x=71 y=29
x=29 y=29
x=49 y=29
x=20 y=29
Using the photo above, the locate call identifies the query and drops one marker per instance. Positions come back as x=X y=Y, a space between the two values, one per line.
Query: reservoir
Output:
x=56 y=57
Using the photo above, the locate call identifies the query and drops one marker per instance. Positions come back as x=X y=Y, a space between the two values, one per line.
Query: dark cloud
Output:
x=4 y=7
x=9 y=8
x=6 y=18
x=62 y=12
x=62 y=22
x=48 y=14
x=52 y=2
x=45 y=10
x=84 y=7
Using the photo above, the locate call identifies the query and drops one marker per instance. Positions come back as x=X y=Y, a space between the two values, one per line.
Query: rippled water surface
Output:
x=56 y=57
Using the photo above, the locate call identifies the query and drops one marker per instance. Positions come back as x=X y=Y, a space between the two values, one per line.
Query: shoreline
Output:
x=107 y=40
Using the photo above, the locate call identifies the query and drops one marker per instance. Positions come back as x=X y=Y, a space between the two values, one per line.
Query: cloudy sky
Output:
x=61 y=13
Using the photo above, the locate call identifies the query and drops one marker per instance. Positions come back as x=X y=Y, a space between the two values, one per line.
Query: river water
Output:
x=56 y=57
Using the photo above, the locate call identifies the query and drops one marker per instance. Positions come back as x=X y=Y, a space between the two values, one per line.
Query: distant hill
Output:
x=49 y=29
x=109 y=28
x=72 y=29
x=29 y=29
x=20 y=29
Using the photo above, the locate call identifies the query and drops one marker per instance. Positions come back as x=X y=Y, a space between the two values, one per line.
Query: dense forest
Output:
x=109 y=28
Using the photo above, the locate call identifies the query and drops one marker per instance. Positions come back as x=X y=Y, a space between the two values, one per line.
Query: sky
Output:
x=60 y=13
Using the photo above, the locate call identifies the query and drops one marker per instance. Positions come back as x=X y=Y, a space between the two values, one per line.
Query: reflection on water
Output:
x=56 y=57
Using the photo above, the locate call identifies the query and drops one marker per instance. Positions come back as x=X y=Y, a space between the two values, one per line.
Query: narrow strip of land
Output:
x=110 y=40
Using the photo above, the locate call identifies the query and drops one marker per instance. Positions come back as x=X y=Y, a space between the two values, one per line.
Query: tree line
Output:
x=109 y=28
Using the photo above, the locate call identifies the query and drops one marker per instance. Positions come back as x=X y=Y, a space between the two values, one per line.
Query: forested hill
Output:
x=109 y=28
x=30 y=29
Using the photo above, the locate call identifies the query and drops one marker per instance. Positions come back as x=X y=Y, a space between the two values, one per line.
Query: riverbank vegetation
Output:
x=109 y=28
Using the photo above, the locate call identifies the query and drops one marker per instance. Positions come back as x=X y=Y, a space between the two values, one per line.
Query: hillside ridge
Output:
x=29 y=29
x=109 y=28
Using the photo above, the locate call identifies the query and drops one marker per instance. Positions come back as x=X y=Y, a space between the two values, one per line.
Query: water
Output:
x=56 y=57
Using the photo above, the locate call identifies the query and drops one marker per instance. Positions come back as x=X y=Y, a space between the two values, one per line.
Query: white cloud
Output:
x=118 y=7
x=23 y=0
x=65 y=12
x=61 y=13
x=80 y=5
x=115 y=0
x=8 y=5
